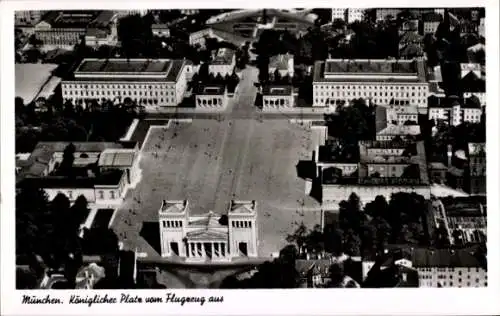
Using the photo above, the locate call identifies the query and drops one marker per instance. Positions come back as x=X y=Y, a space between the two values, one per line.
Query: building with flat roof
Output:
x=276 y=97
x=208 y=237
x=382 y=82
x=102 y=171
x=64 y=29
x=249 y=23
x=211 y=97
x=149 y=82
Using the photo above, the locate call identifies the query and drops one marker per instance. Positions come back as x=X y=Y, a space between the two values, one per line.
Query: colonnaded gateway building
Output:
x=211 y=236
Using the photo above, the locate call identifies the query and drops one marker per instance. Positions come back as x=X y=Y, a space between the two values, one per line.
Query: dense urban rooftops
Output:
x=459 y=258
x=477 y=149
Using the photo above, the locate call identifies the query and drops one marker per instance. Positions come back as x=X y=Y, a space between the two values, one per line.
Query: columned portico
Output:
x=207 y=249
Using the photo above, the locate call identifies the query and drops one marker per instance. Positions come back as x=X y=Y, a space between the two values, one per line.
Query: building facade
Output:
x=456 y=114
x=349 y=15
x=201 y=238
x=277 y=97
x=382 y=13
x=150 y=83
x=223 y=62
x=381 y=82
x=211 y=97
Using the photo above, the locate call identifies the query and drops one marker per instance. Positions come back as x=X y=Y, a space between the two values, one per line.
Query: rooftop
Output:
x=213 y=89
x=110 y=177
x=460 y=258
x=71 y=19
x=376 y=70
x=123 y=65
x=224 y=56
x=159 y=69
x=116 y=158
x=464 y=206
x=400 y=130
x=176 y=207
x=242 y=207
x=432 y=17
x=275 y=90
x=44 y=151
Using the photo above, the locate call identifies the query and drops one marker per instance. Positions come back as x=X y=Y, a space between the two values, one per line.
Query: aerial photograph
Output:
x=250 y=148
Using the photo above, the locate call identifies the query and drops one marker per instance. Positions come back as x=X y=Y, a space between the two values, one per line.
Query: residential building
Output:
x=277 y=97
x=189 y=11
x=206 y=237
x=477 y=168
x=282 y=63
x=396 y=121
x=455 y=113
x=449 y=268
x=437 y=172
x=466 y=68
x=102 y=171
x=211 y=97
x=149 y=82
x=160 y=30
x=382 y=82
x=380 y=168
x=199 y=37
x=383 y=13
x=349 y=15
x=431 y=22
x=465 y=218
x=27 y=17
x=389 y=270
x=223 y=62
x=64 y=29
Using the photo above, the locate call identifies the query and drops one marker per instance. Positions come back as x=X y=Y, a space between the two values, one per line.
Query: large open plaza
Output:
x=210 y=162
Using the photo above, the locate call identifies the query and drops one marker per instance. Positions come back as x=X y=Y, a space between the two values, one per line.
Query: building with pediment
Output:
x=210 y=236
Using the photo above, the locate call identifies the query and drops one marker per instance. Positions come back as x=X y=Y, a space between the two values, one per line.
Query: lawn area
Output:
x=209 y=163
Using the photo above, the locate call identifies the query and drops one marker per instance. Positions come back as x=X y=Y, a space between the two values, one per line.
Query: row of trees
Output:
x=203 y=76
x=368 y=231
x=51 y=229
x=57 y=121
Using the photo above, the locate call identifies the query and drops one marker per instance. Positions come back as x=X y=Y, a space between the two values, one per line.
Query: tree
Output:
x=263 y=66
x=79 y=211
x=338 y=23
x=336 y=274
x=378 y=207
x=277 y=76
x=352 y=243
x=33 y=220
x=299 y=237
x=68 y=159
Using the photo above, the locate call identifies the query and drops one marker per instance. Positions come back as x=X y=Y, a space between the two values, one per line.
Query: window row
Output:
x=172 y=224
x=116 y=86
x=108 y=92
x=369 y=94
x=372 y=87
x=241 y=224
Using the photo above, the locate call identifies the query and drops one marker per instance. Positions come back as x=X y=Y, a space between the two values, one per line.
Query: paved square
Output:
x=210 y=162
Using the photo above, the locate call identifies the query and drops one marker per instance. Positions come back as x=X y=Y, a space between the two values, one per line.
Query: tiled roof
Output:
x=444 y=258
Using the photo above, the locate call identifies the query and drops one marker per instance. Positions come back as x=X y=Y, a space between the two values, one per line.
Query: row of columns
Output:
x=198 y=250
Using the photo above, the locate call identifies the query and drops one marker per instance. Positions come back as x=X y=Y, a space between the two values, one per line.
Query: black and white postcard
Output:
x=166 y=159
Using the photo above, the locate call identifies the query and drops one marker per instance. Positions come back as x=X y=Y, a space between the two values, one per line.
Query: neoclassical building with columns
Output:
x=210 y=236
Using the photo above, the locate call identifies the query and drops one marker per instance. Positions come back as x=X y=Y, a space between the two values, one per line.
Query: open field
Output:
x=210 y=162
